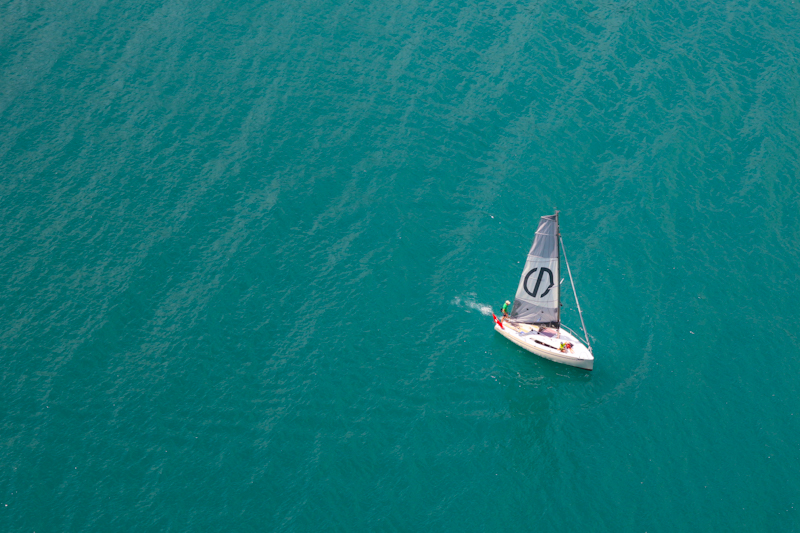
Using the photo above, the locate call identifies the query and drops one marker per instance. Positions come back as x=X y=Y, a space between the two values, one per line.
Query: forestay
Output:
x=537 y=299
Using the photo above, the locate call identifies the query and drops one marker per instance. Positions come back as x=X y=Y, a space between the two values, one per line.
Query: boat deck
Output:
x=546 y=342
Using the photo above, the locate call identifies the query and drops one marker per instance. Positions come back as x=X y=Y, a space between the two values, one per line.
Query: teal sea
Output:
x=250 y=249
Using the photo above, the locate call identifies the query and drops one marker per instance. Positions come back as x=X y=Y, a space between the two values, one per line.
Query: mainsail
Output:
x=538 y=298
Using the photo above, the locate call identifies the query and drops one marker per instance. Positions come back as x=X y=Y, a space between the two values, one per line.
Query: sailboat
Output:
x=535 y=320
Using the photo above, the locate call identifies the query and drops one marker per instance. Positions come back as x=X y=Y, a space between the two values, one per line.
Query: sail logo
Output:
x=541 y=270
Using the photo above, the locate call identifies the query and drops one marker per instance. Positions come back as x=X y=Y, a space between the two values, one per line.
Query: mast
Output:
x=580 y=313
x=558 y=284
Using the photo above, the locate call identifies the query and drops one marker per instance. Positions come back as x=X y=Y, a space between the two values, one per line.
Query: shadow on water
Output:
x=533 y=384
x=541 y=398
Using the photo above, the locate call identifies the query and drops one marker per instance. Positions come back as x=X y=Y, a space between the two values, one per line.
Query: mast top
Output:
x=558 y=226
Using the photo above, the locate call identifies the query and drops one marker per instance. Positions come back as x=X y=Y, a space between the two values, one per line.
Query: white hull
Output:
x=546 y=342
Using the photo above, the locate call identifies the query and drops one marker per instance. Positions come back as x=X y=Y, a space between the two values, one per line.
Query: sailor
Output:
x=505 y=309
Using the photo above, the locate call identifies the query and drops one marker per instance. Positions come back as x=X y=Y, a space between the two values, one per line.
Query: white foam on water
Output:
x=469 y=302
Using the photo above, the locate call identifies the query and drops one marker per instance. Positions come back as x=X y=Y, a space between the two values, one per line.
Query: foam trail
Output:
x=470 y=303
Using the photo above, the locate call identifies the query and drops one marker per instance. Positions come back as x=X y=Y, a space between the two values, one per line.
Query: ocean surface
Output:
x=249 y=253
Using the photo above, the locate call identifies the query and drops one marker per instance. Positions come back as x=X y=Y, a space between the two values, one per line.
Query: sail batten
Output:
x=538 y=295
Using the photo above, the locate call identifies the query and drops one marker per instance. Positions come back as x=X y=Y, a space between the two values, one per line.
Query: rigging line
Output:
x=576 y=295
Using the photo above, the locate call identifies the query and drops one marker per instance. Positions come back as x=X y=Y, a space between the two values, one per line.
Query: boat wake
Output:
x=469 y=303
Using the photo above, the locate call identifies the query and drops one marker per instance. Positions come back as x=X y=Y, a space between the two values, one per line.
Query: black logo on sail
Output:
x=539 y=282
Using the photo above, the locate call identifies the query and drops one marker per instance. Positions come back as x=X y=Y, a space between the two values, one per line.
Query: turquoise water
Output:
x=248 y=249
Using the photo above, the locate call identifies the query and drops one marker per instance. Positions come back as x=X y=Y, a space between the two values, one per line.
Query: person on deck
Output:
x=505 y=309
